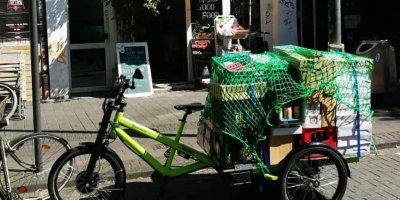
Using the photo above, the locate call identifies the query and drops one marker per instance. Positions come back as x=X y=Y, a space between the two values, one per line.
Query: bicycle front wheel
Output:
x=316 y=172
x=8 y=101
x=106 y=182
x=28 y=177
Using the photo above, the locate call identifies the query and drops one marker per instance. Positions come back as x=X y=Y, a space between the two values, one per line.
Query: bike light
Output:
x=22 y=189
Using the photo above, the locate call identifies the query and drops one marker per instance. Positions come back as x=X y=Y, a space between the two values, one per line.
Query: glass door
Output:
x=88 y=50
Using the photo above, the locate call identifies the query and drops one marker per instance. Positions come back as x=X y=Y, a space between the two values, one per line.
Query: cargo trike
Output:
x=296 y=117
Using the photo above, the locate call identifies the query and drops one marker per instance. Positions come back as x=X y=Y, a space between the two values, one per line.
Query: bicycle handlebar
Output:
x=120 y=86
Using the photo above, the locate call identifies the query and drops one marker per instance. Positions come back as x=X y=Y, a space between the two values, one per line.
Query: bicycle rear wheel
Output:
x=107 y=181
x=316 y=172
x=26 y=178
x=8 y=101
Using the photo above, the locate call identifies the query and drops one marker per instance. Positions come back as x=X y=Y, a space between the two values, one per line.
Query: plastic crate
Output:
x=326 y=135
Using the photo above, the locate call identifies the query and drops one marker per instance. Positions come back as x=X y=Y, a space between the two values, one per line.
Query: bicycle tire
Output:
x=305 y=182
x=10 y=103
x=76 y=187
x=34 y=181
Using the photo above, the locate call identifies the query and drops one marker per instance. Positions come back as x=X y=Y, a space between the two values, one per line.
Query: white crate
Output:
x=347 y=139
x=346 y=116
x=312 y=115
x=351 y=131
x=286 y=131
x=352 y=150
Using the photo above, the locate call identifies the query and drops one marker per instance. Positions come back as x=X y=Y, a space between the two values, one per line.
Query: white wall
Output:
x=279 y=18
x=57 y=31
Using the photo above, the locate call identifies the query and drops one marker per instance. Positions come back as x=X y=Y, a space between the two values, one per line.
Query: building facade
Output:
x=82 y=35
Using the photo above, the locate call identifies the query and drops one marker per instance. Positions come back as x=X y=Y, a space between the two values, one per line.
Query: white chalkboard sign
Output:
x=132 y=56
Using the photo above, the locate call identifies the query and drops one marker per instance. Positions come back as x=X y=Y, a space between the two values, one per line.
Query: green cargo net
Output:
x=244 y=88
x=247 y=91
x=240 y=94
x=344 y=76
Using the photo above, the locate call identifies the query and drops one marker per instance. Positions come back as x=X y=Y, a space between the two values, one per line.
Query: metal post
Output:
x=301 y=23
x=314 y=23
x=35 y=80
x=335 y=30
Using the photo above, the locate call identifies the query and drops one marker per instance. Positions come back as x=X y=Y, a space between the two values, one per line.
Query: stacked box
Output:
x=339 y=89
x=326 y=105
x=354 y=110
x=312 y=68
x=239 y=82
x=244 y=90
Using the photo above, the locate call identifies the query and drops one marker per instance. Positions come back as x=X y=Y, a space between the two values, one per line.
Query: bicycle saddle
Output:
x=190 y=107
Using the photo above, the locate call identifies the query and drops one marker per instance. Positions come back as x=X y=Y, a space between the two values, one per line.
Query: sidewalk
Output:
x=78 y=119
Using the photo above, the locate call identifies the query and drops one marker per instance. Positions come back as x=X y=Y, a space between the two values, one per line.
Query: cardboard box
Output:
x=279 y=147
x=205 y=136
x=328 y=108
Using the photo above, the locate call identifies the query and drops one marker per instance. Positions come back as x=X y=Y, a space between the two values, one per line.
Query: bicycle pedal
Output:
x=167 y=152
x=184 y=155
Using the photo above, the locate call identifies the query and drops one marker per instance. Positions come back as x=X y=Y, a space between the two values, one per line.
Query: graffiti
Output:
x=288 y=3
x=288 y=17
x=289 y=12
x=268 y=14
x=57 y=52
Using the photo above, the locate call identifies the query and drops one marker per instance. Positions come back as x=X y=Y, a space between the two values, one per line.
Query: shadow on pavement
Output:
x=386 y=105
x=197 y=187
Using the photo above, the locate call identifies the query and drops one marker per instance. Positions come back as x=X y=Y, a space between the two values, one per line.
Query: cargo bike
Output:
x=239 y=145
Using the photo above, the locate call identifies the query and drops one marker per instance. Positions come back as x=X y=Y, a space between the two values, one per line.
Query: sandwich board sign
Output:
x=132 y=56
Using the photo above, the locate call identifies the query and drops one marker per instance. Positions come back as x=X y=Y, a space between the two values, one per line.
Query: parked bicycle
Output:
x=98 y=173
x=11 y=86
x=26 y=161
x=8 y=101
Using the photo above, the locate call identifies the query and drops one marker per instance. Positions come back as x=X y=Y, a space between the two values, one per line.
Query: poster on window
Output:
x=14 y=19
x=130 y=57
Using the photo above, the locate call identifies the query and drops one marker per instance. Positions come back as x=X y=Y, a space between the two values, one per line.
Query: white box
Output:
x=351 y=141
x=350 y=120
x=352 y=151
x=286 y=131
x=312 y=115
x=351 y=131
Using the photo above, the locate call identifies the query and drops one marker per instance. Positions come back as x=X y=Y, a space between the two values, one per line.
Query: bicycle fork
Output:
x=90 y=177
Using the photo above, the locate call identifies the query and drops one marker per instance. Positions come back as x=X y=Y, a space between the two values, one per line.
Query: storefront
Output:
x=81 y=47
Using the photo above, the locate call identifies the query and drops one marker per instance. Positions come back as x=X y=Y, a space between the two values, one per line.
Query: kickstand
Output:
x=163 y=187
x=156 y=177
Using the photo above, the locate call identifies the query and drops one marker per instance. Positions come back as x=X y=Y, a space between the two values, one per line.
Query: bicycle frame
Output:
x=7 y=190
x=203 y=160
